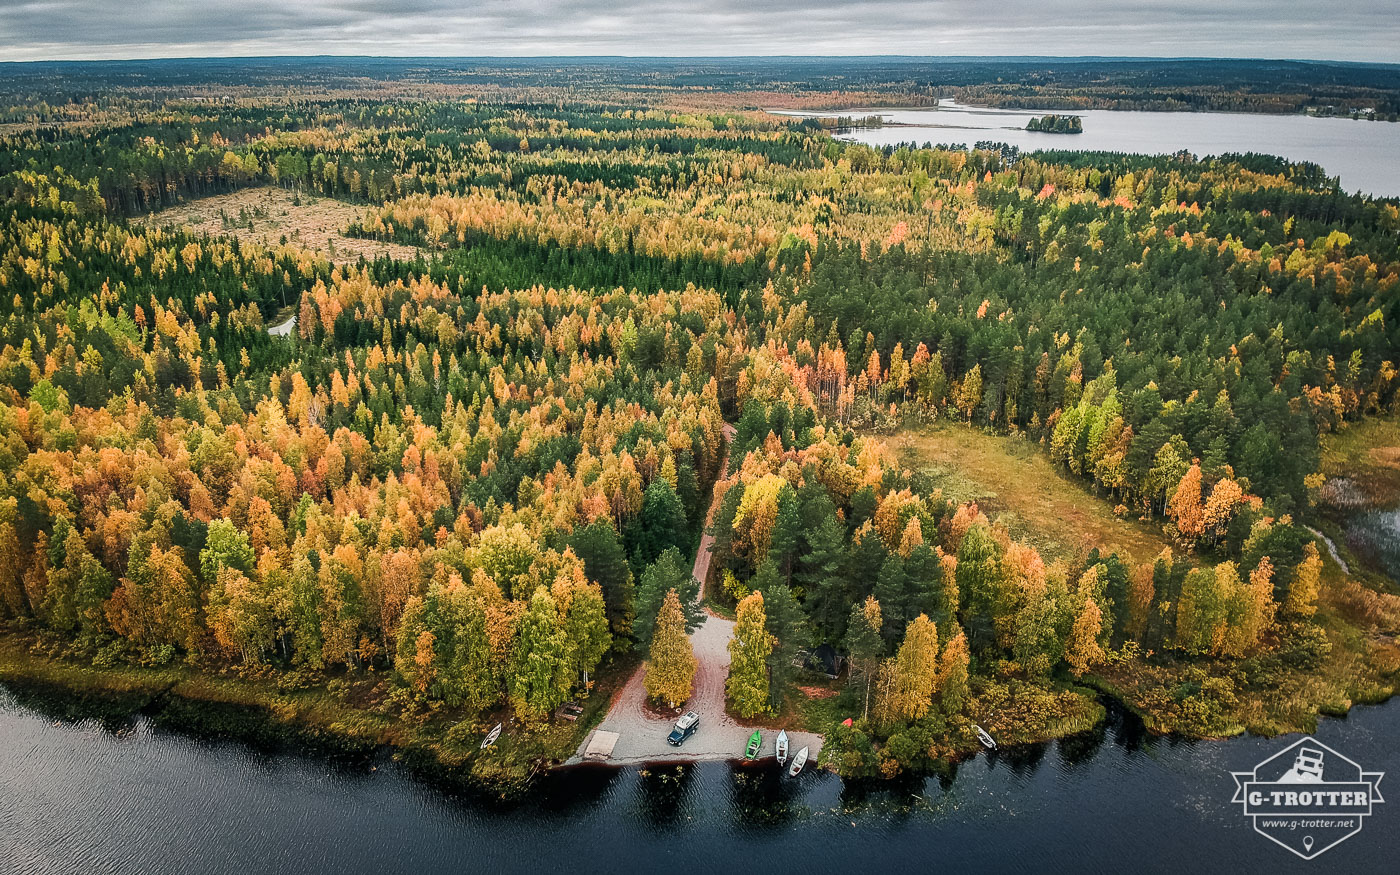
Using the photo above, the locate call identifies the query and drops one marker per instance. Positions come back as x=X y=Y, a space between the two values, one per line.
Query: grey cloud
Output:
x=44 y=29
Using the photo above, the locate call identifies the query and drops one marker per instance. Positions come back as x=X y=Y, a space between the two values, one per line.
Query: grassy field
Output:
x=269 y=216
x=1357 y=501
x=1367 y=455
x=1011 y=480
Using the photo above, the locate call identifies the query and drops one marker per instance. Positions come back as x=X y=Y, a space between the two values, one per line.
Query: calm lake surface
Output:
x=1364 y=154
x=84 y=798
x=1375 y=536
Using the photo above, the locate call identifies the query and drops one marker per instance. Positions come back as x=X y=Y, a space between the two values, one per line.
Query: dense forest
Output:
x=482 y=472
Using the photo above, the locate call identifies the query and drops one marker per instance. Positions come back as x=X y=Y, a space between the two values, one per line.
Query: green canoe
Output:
x=755 y=742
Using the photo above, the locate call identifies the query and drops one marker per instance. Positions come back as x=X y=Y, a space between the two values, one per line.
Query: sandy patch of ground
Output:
x=1387 y=457
x=267 y=215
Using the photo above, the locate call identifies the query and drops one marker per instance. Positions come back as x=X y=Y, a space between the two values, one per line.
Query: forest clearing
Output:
x=642 y=731
x=270 y=215
x=1014 y=483
x=1366 y=455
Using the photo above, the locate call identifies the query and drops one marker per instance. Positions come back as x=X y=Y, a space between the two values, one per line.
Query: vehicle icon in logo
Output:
x=1308 y=797
x=1307 y=768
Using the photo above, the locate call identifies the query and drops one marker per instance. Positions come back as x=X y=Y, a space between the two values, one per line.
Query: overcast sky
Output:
x=1359 y=30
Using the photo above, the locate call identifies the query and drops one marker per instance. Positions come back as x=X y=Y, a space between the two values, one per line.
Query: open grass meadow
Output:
x=1014 y=482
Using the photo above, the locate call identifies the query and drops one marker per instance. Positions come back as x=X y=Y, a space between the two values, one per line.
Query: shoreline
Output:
x=190 y=705
x=314 y=718
x=828 y=112
x=206 y=705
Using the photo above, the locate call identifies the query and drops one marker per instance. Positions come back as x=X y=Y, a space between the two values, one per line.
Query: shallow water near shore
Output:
x=127 y=797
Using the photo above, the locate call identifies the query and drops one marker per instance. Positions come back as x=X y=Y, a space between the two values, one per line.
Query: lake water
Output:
x=1364 y=154
x=84 y=798
x=1375 y=536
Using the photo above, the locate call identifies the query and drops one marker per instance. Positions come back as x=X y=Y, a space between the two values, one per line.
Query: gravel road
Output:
x=642 y=737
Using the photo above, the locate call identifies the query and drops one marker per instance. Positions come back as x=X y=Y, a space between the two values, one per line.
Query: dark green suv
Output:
x=684 y=728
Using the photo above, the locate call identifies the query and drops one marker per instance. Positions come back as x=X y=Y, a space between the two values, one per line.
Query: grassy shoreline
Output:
x=324 y=720
x=339 y=717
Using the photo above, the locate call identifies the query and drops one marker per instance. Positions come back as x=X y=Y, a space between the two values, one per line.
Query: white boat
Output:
x=781 y=747
x=491 y=737
x=987 y=741
x=798 y=762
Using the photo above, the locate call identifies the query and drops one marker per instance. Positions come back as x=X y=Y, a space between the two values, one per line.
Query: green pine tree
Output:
x=661 y=524
x=864 y=644
x=821 y=576
x=787 y=623
x=605 y=563
x=669 y=572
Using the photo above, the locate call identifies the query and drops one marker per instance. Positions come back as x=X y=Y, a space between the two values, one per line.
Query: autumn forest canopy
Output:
x=479 y=474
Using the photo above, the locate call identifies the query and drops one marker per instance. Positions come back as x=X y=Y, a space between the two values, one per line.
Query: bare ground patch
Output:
x=270 y=216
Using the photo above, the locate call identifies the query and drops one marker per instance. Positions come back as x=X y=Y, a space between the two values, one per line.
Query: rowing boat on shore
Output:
x=987 y=741
x=798 y=762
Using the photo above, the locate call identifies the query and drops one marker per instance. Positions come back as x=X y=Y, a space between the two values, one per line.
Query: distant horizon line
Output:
x=698 y=58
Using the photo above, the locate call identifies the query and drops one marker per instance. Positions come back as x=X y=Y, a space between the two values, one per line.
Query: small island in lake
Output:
x=1056 y=124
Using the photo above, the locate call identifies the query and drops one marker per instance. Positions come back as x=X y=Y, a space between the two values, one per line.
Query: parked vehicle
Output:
x=684 y=728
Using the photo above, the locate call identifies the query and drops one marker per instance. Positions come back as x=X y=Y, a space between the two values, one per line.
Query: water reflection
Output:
x=764 y=797
x=665 y=795
x=899 y=794
x=1021 y=760
x=113 y=718
x=1129 y=732
x=575 y=792
x=1081 y=748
